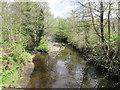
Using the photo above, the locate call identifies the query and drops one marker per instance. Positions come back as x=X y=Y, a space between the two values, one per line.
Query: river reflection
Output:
x=42 y=75
x=67 y=70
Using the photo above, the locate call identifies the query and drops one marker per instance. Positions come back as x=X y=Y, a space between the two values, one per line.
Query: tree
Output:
x=86 y=24
x=109 y=12
x=119 y=26
x=32 y=16
x=101 y=21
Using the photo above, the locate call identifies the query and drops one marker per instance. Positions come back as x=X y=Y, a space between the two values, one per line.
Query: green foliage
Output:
x=61 y=32
x=16 y=53
x=113 y=39
x=6 y=75
x=82 y=35
x=22 y=22
x=10 y=77
x=32 y=20
x=13 y=58
x=43 y=46
x=26 y=56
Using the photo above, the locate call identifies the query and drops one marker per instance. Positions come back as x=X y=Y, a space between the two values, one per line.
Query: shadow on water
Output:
x=67 y=70
x=42 y=74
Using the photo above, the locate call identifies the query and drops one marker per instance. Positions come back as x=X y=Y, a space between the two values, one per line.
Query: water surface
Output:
x=67 y=70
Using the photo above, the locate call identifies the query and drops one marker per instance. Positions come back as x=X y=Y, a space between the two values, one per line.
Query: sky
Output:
x=60 y=8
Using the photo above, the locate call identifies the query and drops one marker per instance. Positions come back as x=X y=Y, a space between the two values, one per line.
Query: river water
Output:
x=67 y=70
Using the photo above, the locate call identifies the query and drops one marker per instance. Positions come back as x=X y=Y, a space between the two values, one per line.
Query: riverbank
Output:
x=27 y=69
x=54 y=50
x=67 y=69
x=100 y=61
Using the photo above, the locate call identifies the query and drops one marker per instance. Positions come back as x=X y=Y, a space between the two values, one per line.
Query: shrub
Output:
x=43 y=46
x=13 y=57
x=61 y=35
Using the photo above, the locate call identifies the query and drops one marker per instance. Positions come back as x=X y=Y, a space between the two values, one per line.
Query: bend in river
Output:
x=66 y=70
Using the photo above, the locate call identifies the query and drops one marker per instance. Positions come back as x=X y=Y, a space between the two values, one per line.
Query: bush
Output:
x=43 y=46
x=26 y=56
x=61 y=35
x=12 y=59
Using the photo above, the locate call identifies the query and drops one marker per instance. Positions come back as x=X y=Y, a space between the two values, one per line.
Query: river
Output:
x=68 y=69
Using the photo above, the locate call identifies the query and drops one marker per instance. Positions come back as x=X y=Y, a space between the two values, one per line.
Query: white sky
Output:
x=60 y=8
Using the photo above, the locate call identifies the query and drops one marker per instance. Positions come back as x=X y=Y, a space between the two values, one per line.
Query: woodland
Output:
x=93 y=29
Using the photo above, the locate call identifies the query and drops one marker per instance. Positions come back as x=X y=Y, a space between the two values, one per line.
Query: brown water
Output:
x=66 y=70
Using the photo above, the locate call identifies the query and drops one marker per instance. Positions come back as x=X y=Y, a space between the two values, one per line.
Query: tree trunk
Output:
x=101 y=21
x=109 y=21
x=85 y=29
x=93 y=23
x=109 y=8
x=119 y=26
